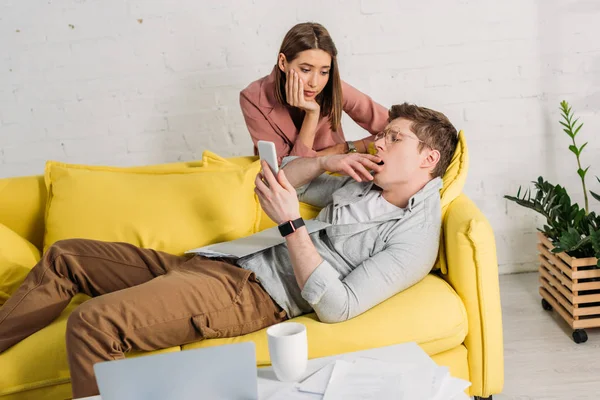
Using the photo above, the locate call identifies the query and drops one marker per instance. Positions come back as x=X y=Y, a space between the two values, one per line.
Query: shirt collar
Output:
x=432 y=187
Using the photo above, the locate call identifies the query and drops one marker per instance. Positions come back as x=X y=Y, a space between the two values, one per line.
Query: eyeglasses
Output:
x=392 y=137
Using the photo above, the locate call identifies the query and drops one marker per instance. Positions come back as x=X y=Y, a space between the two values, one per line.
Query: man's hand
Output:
x=355 y=165
x=279 y=199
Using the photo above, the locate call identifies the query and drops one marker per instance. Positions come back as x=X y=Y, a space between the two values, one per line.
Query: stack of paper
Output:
x=367 y=378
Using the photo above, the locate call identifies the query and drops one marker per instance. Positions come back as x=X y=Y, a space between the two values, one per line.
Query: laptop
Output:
x=223 y=372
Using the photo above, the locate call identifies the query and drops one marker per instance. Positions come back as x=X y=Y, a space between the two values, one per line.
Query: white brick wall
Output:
x=129 y=82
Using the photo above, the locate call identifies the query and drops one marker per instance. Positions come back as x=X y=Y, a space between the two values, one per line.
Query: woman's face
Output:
x=313 y=67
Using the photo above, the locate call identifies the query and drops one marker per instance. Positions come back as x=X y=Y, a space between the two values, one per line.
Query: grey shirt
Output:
x=364 y=263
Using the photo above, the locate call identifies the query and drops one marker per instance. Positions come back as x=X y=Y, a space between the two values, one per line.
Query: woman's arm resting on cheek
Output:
x=294 y=92
x=261 y=129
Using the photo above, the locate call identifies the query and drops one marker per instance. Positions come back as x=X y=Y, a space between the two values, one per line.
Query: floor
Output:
x=541 y=359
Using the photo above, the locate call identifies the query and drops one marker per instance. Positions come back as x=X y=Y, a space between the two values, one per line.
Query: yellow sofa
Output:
x=453 y=314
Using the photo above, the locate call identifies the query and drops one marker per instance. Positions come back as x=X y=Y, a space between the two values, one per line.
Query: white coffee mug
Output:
x=288 y=349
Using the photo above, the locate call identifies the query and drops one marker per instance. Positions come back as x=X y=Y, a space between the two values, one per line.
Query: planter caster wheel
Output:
x=579 y=336
x=546 y=306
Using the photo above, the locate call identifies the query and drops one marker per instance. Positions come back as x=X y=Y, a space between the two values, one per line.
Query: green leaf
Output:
x=568 y=132
x=571 y=240
x=565 y=125
x=582 y=172
x=594 y=195
x=595 y=237
x=578 y=128
x=582 y=147
x=574 y=150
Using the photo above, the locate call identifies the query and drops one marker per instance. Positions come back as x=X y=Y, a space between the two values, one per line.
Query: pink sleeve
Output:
x=302 y=150
x=261 y=129
x=363 y=110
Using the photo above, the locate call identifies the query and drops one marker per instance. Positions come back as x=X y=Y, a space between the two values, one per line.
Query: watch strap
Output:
x=290 y=227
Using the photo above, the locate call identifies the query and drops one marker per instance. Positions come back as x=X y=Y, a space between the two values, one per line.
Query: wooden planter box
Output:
x=571 y=286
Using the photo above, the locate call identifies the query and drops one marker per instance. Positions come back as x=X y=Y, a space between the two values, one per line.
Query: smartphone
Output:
x=267 y=152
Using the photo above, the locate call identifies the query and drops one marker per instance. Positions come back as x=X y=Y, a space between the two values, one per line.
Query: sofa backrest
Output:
x=23 y=199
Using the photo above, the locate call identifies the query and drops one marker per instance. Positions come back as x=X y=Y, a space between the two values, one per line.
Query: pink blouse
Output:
x=268 y=120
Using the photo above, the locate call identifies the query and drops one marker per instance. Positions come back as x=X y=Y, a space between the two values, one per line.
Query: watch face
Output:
x=351 y=147
x=286 y=229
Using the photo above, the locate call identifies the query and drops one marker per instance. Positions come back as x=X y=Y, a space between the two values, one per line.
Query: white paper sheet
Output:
x=365 y=379
x=440 y=375
x=453 y=387
x=461 y=396
x=368 y=378
x=253 y=243
x=317 y=382
x=291 y=393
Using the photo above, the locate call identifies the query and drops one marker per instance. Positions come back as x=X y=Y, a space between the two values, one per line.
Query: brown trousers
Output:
x=143 y=300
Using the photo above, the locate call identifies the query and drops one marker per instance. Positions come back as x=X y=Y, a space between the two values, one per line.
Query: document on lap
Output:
x=251 y=244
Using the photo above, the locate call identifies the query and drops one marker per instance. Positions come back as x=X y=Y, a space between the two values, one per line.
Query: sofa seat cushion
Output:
x=429 y=313
x=40 y=360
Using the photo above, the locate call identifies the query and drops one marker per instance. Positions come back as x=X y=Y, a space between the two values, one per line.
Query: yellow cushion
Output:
x=209 y=158
x=454 y=181
x=17 y=257
x=212 y=159
x=22 y=203
x=37 y=367
x=164 y=209
x=429 y=313
x=456 y=174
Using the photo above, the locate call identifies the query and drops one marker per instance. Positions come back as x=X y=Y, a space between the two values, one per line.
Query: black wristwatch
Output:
x=290 y=227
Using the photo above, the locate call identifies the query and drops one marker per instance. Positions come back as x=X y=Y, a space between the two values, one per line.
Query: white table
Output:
x=405 y=353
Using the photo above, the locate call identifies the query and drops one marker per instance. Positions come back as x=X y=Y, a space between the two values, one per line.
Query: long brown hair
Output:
x=309 y=36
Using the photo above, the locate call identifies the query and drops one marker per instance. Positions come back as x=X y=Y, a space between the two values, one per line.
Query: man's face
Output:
x=402 y=159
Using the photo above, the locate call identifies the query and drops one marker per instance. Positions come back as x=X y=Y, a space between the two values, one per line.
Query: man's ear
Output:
x=282 y=62
x=433 y=157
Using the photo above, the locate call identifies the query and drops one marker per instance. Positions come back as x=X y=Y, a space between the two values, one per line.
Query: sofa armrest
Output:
x=473 y=272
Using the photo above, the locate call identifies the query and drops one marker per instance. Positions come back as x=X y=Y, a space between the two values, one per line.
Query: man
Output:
x=383 y=238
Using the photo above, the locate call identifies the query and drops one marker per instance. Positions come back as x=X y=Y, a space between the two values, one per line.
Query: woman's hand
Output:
x=294 y=93
x=355 y=165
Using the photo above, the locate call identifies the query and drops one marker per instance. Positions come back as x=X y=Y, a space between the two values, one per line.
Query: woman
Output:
x=299 y=105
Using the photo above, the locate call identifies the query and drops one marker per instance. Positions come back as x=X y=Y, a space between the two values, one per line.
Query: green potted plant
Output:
x=569 y=243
